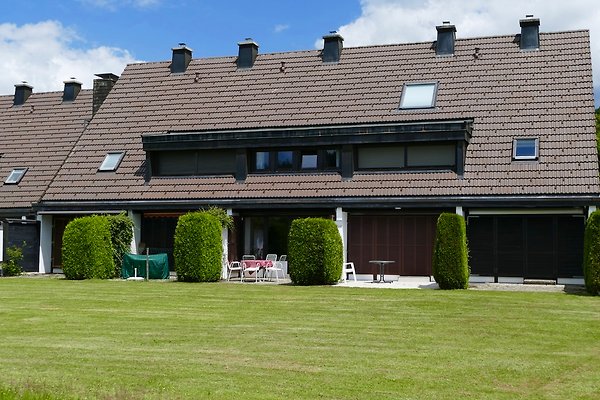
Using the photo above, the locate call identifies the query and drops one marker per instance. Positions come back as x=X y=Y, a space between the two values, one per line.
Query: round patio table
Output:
x=382 y=264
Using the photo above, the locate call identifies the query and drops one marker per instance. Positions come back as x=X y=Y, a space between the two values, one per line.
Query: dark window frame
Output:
x=533 y=157
x=103 y=168
x=406 y=166
x=296 y=160
x=418 y=107
x=19 y=174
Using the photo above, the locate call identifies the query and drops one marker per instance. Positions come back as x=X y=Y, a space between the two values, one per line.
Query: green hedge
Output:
x=591 y=254
x=121 y=233
x=450 y=253
x=315 y=252
x=87 y=251
x=198 y=249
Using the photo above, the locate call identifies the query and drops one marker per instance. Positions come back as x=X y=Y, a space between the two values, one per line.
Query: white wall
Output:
x=45 y=263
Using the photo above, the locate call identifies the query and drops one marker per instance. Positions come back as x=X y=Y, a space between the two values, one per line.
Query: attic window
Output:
x=16 y=175
x=525 y=149
x=111 y=161
x=418 y=95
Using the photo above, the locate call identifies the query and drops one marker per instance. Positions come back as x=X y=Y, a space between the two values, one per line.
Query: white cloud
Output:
x=401 y=21
x=281 y=27
x=114 y=5
x=44 y=54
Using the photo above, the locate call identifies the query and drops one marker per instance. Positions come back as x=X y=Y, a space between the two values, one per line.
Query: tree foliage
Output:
x=598 y=129
x=121 y=233
x=591 y=254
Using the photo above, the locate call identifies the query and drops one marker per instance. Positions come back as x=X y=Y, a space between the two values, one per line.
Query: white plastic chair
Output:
x=275 y=266
x=248 y=257
x=250 y=269
x=234 y=266
x=348 y=268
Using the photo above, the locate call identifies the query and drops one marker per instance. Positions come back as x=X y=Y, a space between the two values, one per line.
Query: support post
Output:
x=45 y=262
x=225 y=244
x=341 y=220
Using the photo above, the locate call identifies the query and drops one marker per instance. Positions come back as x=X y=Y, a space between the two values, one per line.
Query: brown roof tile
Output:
x=37 y=135
x=508 y=93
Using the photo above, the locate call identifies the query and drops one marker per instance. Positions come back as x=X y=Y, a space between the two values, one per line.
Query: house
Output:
x=380 y=138
x=38 y=131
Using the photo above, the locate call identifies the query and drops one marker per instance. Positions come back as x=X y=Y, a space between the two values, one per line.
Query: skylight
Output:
x=525 y=149
x=16 y=175
x=111 y=161
x=418 y=95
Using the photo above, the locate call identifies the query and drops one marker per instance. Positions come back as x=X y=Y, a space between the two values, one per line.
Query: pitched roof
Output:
x=508 y=93
x=37 y=135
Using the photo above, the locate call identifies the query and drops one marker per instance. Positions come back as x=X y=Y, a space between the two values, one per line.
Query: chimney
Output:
x=182 y=56
x=332 y=47
x=22 y=92
x=530 y=33
x=248 y=50
x=72 y=89
x=446 y=35
x=102 y=87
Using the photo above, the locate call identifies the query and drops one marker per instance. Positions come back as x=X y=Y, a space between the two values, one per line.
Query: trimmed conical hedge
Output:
x=450 y=253
x=198 y=249
x=87 y=250
x=315 y=252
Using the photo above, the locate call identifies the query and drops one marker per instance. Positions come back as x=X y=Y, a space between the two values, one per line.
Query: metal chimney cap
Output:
x=248 y=41
x=108 y=75
x=23 y=84
x=182 y=46
x=529 y=20
x=72 y=80
x=333 y=35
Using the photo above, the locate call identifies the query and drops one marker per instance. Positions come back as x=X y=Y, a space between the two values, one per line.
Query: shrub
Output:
x=225 y=220
x=198 y=249
x=87 y=251
x=450 y=253
x=315 y=252
x=12 y=266
x=121 y=233
x=591 y=254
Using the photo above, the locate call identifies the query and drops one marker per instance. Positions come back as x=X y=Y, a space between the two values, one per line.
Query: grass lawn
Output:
x=167 y=340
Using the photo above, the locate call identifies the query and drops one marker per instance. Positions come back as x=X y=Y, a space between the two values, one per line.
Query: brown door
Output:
x=406 y=239
x=59 y=225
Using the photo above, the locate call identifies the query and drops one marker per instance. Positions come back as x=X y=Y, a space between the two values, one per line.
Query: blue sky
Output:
x=149 y=29
x=47 y=41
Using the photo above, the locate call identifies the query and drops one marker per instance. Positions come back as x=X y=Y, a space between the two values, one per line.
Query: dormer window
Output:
x=418 y=95
x=15 y=176
x=525 y=149
x=111 y=161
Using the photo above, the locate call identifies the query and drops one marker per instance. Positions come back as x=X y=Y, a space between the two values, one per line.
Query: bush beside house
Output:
x=315 y=252
x=591 y=254
x=12 y=266
x=121 y=233
x=87 y=250
x=450 y=253
x=198 y=249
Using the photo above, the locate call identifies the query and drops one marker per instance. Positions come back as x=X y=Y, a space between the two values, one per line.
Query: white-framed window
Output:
x=418 y=95
x=15 y=176
x=111 y=161
x=525 y=149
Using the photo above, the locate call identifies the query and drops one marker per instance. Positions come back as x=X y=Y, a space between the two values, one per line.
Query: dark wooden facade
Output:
x=24 y=234
x=529 y=246
x=406 y=239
